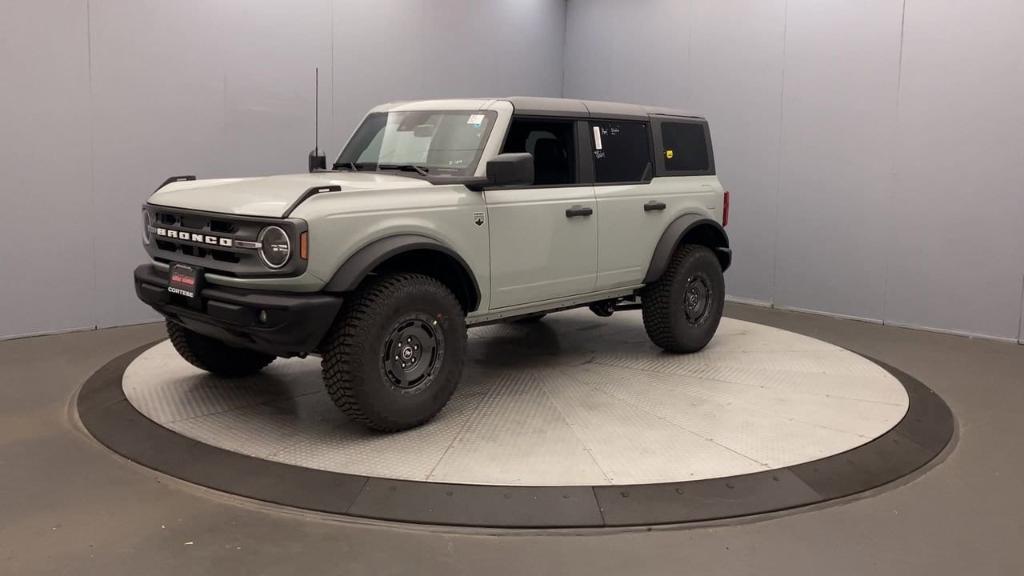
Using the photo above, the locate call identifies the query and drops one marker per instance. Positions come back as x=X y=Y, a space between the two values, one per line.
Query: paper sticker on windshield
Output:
x=475 y=120
x=597 y=138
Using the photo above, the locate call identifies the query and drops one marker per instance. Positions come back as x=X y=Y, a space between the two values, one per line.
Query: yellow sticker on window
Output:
x=668 y=153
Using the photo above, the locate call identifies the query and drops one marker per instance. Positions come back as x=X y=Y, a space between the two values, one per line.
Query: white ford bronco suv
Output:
x=439 y=215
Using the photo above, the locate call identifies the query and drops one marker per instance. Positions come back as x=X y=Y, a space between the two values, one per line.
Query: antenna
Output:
x=316 y=160
x=316 y=109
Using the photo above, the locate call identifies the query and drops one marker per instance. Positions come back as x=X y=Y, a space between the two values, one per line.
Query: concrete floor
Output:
x=68 y=505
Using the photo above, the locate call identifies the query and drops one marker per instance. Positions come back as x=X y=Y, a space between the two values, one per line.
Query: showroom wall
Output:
x=103 y=99
x=874 y=148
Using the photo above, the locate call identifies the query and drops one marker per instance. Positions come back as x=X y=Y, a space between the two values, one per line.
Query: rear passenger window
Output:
x=685 y=147
x=622 y=151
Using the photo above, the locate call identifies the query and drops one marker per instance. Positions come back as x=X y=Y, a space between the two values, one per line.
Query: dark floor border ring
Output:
x=919 y=437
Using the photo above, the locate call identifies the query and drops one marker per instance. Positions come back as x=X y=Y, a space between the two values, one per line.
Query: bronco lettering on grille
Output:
x=194 y=237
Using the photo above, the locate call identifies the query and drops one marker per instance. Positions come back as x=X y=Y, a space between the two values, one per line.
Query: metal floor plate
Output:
x=572 y=400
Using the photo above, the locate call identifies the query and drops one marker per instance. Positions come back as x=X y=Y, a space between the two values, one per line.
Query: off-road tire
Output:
x=215 y=356
x=357 y=352
x=670 y=324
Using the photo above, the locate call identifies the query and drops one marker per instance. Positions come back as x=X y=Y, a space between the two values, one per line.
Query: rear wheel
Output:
x=394 y=357
x=683 y=308
x=215 y=356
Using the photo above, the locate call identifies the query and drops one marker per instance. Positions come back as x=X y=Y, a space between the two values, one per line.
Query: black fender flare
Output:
x=354 y=270
x=701 y=229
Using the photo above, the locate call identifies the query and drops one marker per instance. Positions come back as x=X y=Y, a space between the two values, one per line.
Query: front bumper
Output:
x=295 y=323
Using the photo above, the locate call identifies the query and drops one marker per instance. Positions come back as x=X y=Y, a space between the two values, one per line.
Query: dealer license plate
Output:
x=185 y=280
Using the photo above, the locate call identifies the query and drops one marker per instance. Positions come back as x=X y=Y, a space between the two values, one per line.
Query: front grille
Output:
x=209 y=240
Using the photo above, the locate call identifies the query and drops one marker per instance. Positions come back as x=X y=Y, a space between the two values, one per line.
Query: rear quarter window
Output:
x=684 y=148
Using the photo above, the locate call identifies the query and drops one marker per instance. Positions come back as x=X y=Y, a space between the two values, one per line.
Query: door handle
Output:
x=578 y=211
x=654 y=205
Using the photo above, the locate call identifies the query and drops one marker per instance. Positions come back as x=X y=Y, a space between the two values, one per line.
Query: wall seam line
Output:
x=892 y=166
x=689 y=54
x=331 y=32
x=565 y=44
x=1020 y=324
x=772 y=284
x=92 y=162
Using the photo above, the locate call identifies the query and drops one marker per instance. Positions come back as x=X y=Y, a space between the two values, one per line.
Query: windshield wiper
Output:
x=404 y=167
x=350 y=165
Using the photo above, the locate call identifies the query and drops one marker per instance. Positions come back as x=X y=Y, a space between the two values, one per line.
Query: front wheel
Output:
x=394 y=356
x=683 y=308
x=215 y=356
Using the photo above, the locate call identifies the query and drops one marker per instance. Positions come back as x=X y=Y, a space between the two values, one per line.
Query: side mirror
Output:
x=510 y=169
x=317 y=161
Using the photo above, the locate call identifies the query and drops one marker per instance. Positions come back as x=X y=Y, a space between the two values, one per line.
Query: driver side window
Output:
x=552 y=143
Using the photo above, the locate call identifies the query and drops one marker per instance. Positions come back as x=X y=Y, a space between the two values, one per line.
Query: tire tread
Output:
x=656 y=302
x=346 y=343
x=214 y=356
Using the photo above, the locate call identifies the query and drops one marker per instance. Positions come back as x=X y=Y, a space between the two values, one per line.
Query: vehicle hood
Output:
x=270 y=196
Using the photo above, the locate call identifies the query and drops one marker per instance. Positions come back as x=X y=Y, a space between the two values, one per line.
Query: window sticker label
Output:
x=475 y=120
x=597 y=138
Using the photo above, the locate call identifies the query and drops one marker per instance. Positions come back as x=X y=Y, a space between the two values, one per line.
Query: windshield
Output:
x=438 y=142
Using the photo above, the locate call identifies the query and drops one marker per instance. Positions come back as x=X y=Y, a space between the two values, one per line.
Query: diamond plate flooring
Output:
x=572 y=400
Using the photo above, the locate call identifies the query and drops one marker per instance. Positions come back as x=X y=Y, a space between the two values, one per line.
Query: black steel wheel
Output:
x=697 y=299
x=682 y=309
x=413 y=352
x=394 y=356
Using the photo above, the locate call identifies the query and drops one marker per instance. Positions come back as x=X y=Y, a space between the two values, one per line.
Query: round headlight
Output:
x=275 y=247
x=147 y=223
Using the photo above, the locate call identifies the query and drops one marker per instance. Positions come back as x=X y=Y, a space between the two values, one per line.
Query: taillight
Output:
x=725 y=209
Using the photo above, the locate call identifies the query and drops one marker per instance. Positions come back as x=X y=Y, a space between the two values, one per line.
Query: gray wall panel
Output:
x=404 y=50
x=221 y=89
x=158 y=103
x=628 y=51
x=874 y=169
x=215 y=89
x=736 y=77
x=722 y=59
x=958 y=210
x=841 y=70
x=270 y=51
x=46 y=189
x=895 y=171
